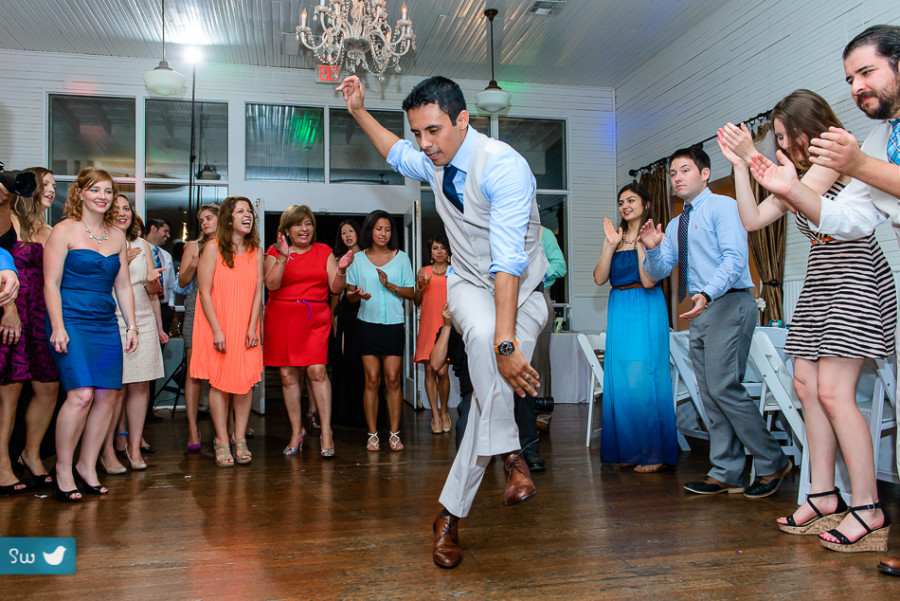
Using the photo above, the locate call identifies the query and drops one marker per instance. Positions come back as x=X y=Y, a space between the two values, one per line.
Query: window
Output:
x=543 y=144
x=285 y=143
x=168 y=127
x=552 y=210
x=88 y=131
x=170 y=201
x=353 y=158
x=481 y=124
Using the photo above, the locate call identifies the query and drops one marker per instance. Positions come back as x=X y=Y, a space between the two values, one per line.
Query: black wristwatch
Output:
x=506 y=348
x=708 y=298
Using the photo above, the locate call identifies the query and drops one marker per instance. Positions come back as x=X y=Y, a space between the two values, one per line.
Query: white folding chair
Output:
x=689 y=411
x=778 y=400
x=588 y=346
x=879 y=411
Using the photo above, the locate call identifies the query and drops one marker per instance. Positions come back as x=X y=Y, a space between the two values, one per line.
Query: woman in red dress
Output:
x=299 y=273
x=431 y=295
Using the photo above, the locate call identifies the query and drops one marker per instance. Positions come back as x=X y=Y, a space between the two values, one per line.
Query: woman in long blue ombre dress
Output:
x=638 y=418
x=85 y=261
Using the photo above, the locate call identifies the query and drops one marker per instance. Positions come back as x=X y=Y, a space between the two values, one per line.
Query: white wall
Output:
x=737 y=63
x=29 y=77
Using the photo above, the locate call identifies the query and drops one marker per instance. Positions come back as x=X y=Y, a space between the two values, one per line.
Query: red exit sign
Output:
x=328 y=74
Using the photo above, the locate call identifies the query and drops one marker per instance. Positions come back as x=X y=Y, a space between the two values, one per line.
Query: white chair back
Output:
x=689 y=412
x=588 y=344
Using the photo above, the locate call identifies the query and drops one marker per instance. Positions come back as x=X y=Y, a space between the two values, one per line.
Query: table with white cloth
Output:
x=570 y=370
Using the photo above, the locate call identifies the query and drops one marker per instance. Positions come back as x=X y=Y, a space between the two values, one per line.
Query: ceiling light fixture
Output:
x=353 y=29
x=492 y=98
x=164 y=80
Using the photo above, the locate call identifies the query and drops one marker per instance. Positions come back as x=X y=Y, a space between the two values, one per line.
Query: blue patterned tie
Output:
x=683 y=224
x=450 y=189
x=893 y=145
x=158 y=264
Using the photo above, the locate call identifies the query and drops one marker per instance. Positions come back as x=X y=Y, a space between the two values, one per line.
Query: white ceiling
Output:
x=587 y=42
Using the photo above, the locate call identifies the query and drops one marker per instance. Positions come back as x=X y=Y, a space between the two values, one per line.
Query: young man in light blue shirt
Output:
x=709 y=244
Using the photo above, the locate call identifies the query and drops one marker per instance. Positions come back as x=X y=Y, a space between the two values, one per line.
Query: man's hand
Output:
x=518 y=373
x=354 y=93
x=836 y=149
x=651 y=235
x=9 y=286
x=697 y=309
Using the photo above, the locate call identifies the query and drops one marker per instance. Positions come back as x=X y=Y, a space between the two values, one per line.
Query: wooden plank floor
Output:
x=358 y=527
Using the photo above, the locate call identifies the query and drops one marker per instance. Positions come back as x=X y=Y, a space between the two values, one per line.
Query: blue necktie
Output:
x=450 y=189
x=893 y=145
x=158 y=265
x=683 y=224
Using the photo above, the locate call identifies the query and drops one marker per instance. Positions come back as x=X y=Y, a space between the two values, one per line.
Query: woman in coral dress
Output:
x=431 y=295
x=226 y=332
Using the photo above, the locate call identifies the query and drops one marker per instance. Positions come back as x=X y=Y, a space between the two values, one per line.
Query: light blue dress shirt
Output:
x=717 y=248
x=384 y=307
x=507 y=183
x=6 y=260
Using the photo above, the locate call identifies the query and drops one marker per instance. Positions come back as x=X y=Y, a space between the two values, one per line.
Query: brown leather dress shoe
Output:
x=890 y=565
x=446 y=552
x=519 y=487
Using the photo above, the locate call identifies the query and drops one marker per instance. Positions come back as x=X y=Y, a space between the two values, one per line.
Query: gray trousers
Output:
x=490 y=427
x=720 y=343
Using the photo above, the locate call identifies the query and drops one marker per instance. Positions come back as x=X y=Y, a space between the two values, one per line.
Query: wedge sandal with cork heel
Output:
x=822 y=522
x=875 y=539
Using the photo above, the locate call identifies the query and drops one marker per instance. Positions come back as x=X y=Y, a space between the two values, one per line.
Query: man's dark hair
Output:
x=885 y=38
x=440 y=91
x=157 y=223
x=695 y=153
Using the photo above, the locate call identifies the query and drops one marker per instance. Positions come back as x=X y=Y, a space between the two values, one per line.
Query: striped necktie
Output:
x=893 y=145
x=683 y=224
x=158 y=263
x=449 y=187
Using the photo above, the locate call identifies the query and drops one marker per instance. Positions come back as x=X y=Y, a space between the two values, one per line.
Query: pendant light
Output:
x=492 y=98
x=164 y=80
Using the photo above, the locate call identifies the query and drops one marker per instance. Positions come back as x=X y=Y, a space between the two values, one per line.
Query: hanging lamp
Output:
x=492 y=98
x=164 y=80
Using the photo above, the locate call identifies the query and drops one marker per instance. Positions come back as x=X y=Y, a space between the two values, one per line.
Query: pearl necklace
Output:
x=93 y=236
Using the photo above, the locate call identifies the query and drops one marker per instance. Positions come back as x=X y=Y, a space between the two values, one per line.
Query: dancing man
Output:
x=485 y=195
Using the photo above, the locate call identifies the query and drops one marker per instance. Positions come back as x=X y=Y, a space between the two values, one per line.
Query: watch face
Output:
x=506 y=348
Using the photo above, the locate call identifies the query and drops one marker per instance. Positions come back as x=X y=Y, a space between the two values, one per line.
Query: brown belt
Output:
x=822 y=240
x=628 y=287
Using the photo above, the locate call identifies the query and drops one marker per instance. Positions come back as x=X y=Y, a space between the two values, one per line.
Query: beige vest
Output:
x=469 y=232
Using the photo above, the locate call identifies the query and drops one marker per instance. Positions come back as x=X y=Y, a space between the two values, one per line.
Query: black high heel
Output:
x=90 y=488
x=40 y=480
x=66 y=496
x=11 y=489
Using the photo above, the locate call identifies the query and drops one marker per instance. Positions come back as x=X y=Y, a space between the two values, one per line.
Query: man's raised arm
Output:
x=354 y=94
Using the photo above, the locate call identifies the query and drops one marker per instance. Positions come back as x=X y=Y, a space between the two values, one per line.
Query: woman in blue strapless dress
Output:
x=84 y=262
x=638 y=418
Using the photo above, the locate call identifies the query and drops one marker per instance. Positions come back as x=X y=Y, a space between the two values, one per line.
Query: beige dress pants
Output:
x=491 y=427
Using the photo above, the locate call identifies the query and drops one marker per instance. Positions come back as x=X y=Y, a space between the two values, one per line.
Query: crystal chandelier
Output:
x=352 y=29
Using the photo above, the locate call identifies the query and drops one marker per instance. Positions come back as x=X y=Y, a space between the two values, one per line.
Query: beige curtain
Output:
x=654 y=182
x=767 y=246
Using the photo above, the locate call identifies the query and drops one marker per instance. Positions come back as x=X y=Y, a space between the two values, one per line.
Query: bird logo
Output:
x=55 y=558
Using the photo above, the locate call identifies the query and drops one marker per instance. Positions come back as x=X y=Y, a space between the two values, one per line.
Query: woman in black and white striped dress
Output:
x=846 y=313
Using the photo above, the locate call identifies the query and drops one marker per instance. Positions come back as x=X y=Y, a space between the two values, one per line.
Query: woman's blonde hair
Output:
x=292 y=216
x=88 y=177
x=28 y=209
x=225 y=229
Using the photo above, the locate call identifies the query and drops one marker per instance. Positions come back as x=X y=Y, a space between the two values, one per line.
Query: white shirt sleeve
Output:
x=851 y=215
